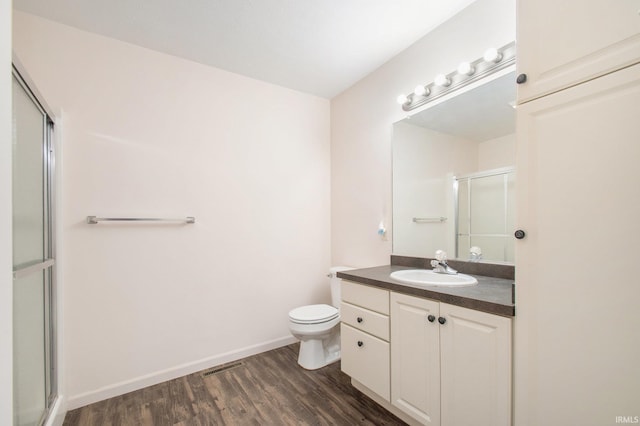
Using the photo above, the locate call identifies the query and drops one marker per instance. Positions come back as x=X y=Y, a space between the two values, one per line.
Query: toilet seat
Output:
x=313 y=314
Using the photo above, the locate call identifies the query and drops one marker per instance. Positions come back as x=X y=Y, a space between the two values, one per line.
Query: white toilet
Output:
x=318 y=328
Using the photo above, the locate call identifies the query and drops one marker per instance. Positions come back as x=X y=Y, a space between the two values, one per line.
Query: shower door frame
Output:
x=48 y=265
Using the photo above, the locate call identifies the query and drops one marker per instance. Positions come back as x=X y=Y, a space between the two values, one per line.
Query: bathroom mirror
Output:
x=454 y=177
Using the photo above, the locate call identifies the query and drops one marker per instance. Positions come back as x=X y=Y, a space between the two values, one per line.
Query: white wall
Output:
x=147 y=134
x=498 y=152
x=6 y=258
x=424 y=163
x=361 y=126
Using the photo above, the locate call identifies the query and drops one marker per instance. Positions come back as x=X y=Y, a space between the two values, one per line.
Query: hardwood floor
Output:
x=265 y=389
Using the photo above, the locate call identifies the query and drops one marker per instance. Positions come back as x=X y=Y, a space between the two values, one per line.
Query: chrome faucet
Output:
x=440 y=265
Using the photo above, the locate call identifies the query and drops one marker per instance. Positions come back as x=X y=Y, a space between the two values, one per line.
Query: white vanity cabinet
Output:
x=364 y=336
x=450 y=365
x=561 y=43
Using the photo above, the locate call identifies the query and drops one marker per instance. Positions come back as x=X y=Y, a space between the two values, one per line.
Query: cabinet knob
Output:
x=431 y=318
x=442 y=320
x=519 y=234
x=359 y=319
x=360 y=343
x=521 y=79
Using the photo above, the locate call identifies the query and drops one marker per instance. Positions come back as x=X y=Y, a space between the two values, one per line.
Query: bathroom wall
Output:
x=147 y=134
x=6 y=277
x=425 y=162
x=361 y=126
x=498 y=152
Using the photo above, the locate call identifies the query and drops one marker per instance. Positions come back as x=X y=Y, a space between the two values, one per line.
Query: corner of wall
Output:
x=6 y=277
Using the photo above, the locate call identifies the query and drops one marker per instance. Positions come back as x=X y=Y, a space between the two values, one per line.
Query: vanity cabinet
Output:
x=561 y=43
x=364 y=336
x=450 y=365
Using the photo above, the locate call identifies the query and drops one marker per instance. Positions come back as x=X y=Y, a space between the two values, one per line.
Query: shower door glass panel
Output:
x=485 y=215
x=32 y=263
x=28 y=179
x=29 y=362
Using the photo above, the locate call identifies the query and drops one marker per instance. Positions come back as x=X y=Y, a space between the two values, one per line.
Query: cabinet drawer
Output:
x=366 y=296
x=365 y=320
x=366 y=359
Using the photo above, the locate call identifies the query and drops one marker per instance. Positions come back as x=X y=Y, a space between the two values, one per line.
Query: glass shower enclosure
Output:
x=34 y=385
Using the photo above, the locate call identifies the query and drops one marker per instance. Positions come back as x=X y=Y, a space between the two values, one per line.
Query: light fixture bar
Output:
x=480 y=68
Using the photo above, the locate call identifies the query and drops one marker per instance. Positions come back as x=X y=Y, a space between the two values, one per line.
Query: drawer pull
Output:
x=359 y=319
x=431 y=318
x=442 y=320
x=360 y=343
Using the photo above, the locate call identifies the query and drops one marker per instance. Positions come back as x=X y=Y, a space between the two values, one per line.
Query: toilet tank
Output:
x=335 y=283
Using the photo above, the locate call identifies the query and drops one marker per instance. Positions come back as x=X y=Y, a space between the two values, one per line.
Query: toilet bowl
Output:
x=317 y=328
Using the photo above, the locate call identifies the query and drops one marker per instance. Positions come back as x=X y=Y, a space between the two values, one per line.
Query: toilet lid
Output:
x=313 y=314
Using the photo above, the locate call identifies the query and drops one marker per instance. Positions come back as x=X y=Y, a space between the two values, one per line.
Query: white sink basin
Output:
x=426 y=277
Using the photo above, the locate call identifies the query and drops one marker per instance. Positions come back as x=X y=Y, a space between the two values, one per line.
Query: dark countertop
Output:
x=492 y=295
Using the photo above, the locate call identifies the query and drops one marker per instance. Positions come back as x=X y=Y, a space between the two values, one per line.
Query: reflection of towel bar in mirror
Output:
x=429 y=219
x=93 y=220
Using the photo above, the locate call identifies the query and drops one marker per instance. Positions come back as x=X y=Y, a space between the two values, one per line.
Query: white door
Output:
x=415 y=357
x=577 y=288
x=475 y=359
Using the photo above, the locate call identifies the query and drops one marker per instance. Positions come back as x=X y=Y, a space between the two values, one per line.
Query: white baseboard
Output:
x=77 y=401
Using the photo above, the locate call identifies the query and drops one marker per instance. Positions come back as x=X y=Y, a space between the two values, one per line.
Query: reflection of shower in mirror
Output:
x=485 y=204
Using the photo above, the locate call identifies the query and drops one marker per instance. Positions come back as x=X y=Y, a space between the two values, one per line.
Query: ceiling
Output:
x=321 y=47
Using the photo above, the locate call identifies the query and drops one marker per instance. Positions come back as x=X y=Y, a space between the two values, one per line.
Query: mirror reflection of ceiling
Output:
x=480 y=114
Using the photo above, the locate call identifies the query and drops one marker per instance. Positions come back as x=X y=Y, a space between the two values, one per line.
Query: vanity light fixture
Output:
x=492 y=55
x=421 y=90
x=402 y=99
x=442 y=80
x=492 y=61
x=465 y=68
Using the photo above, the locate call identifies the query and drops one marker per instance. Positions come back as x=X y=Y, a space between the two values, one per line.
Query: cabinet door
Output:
x=561 y=43
x=415 y=358
x=366 y=359
x=475 y=357
x=576 y=326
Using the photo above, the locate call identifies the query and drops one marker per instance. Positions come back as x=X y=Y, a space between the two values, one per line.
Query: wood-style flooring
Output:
x=265 y=389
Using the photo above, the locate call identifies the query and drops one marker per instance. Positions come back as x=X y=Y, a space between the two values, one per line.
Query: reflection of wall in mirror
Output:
x=497 y=153
x=424 y=162
x=494 y=154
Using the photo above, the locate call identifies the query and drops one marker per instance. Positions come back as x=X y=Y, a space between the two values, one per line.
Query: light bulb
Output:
x=402 y=99
x=492 y=55
x=421 y=90
x=441 y=80
x=465 y=68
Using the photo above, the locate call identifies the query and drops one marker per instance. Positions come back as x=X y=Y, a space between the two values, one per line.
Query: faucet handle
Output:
x=434 y=263
x=441 y=255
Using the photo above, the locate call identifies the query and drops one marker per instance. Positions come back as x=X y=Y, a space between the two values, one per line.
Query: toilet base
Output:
x=313 y=354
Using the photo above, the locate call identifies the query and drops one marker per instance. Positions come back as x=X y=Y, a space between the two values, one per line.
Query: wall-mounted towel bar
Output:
x=429 y=219
x=92 y=220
